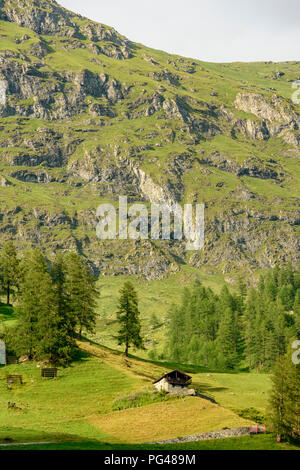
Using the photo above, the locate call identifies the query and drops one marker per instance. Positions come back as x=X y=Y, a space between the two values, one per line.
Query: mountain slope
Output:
x=90 y=116
x=83 y=404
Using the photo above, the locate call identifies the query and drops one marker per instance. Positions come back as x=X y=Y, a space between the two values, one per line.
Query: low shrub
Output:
x=142 y=398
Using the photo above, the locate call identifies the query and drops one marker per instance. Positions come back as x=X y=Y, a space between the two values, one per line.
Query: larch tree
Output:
x=9 y=265
x=277 y=400
x=284 y=403
x=43 y=329
x=292 y=406
x=82 y=293
x=128 y=318
x=227 y=339
x=36 y=300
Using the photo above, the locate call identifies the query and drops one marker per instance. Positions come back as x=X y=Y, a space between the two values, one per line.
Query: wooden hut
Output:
x=175 y=382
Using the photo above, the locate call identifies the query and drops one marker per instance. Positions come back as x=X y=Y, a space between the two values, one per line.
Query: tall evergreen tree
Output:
x=43 y=330
x=296 y=309
x=277 y=401
x=292 y=406
x=254 y=324
x=65 y=346
x=128 y=318
x=82 y=293
x=8 y=268
x=271 y=288
x=227 y=339
x=58 y=273
x=176 y=337
x=36 y=300
x=250 y=329
x=286 y=296
x=284 y=401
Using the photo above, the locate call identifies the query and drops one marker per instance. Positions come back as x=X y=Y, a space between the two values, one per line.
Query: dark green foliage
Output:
x=53 y=302
x=43 y=331
x=205 y=328
x=81 y=292
x=296 y=309
x=228 y=336
x=277 y=398
x=284 y=414
x=9 y=265
x=8 y=336
x=219 y=331
x=36 y=300
x=154 y=322
x=251 y=414
x=128 y=318
x=271 y=317
x=138 y=399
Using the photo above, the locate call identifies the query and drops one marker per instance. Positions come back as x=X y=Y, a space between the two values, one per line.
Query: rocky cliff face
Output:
x=89 y=116
x=278 y=119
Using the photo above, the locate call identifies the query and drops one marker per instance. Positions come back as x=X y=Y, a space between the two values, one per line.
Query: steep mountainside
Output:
x=89 y=116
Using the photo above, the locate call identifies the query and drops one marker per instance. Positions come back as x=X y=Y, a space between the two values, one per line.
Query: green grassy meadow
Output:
x=78 y=409
x=155 y=297
x=101 y=394
x=91 y=401
x=261 y=442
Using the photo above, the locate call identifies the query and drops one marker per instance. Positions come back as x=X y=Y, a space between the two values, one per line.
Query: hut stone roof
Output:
x=176 y=377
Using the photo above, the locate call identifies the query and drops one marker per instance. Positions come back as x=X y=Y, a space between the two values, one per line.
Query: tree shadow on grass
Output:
x=10 y=437
x=81 y=356
x=207 y=391
x=168 y=365
x=7 y=312
x=12 y=434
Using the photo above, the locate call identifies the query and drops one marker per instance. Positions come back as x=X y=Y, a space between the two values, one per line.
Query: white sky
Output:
x=212 y=30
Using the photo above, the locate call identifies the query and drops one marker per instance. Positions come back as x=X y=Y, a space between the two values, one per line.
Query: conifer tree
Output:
x=227 y=339
x=297 y=278
x=128 y=318
x=180 y=326
x=286 y=296
x=8 y=268
x=286 y=275
x=284 y=401
x=58 y=273
x=277 y=401
x=296 y=309
x=256 y=324
x=292 y=406
x=43 y=330
x=271 y=288
x=242 y=288
x=36 y=299
x=80 y=286
x=65 y=345
x=275 y=274
x=54 y=342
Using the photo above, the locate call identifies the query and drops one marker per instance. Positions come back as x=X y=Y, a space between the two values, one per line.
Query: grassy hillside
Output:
x=263 y=442
x=81 y=405
x=163 y=421
x=155 y=297
x=90 y=116
x=89 y=112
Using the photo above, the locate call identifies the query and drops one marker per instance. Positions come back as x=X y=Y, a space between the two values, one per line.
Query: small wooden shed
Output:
x=174 y=382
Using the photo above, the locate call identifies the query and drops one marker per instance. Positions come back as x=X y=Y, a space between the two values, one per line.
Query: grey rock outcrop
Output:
x=277 y=117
